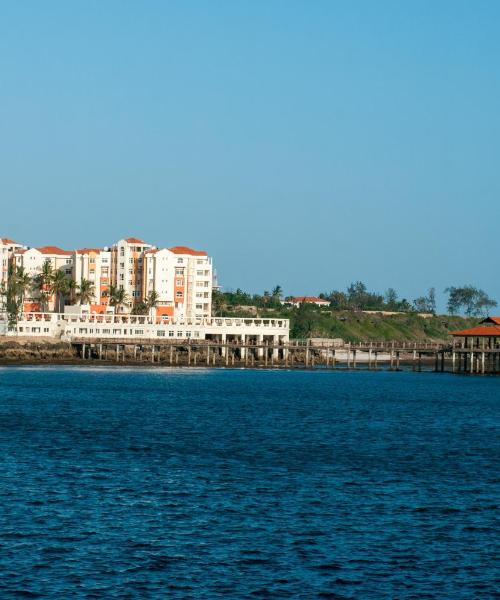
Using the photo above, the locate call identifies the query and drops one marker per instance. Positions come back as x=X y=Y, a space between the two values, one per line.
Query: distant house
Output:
x=298 y=300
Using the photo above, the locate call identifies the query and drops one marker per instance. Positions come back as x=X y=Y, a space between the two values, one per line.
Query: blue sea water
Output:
x=193 y=483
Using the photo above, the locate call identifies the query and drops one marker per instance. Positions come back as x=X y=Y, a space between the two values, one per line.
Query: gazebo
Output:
x=478 y=348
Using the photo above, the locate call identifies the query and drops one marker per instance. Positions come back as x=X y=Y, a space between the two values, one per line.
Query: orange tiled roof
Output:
x=7 y=241
x=54 y=250
x=186 y=250
x=479 y=331
x=133 y=240
x=88 y=250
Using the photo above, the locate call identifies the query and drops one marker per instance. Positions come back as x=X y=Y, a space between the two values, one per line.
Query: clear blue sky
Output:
x=302 y=143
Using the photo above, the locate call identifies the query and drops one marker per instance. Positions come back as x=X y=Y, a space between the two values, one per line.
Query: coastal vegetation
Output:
x=358 y=314
x=49 y=282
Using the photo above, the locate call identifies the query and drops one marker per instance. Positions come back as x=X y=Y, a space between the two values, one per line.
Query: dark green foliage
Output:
x=469 y=300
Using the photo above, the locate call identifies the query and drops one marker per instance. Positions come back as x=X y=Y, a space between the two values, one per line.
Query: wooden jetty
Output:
x=472 y=351
x=289 y=354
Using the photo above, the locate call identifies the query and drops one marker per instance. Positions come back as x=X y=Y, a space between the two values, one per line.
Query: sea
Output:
x=197 y=483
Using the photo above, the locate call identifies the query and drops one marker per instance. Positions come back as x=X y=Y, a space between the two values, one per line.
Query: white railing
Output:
x=148 y=320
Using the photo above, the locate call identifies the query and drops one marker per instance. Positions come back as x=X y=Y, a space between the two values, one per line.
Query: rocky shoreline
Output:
x=43 y=350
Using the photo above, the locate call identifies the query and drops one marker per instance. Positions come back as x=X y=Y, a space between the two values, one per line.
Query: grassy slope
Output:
x=358 y=326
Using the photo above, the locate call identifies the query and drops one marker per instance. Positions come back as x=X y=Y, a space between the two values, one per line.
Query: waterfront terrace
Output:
x=117 y=326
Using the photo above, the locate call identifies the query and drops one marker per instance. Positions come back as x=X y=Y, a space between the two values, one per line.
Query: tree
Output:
x=472 y=301
x=117 y=297
x=431 y=297
x=42 y=283
x=85 y=292
x=277 y=292
x=72 y=291
x=426 y=304
x=218 y=302
x=152 y=299
x=140 y=308
x=59 y=287
x=19 y=282
x=391 y=299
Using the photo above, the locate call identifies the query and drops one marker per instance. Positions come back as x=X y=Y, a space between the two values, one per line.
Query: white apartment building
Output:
x=127 y=258
x=182 y=278
x=32 y=261
x=94 y=265
x=7 y=249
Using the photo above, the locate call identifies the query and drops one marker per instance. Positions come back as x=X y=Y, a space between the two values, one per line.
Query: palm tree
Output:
x=72 y=287
x=85 y=292
x=19 y=283
x=276 y=293
x=117 y=296
x=152 y=299
x=23 y=283
x=59 y=287
x=43 y=281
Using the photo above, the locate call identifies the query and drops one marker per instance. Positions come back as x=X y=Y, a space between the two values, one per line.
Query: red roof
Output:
x=310 y=299
x=54 y=250
x=479 y=331
x=88 y=251
x=495 y=320
x=7 y=241
x=133 y=240
x=186 y=250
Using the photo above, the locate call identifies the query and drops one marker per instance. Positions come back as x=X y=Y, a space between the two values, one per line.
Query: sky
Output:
x=305 y=144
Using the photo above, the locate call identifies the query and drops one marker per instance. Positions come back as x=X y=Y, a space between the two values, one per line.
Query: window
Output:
x=179 y=271
x=178 y=294
x=160 y=333
x=200 y=261
x=139 y=332
x=131 y=261
x=199 y=307
x=178 y=282
x=122 y=251
x=199 y=273
x=179 y=334
x=180 y=261
x=171 y=334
